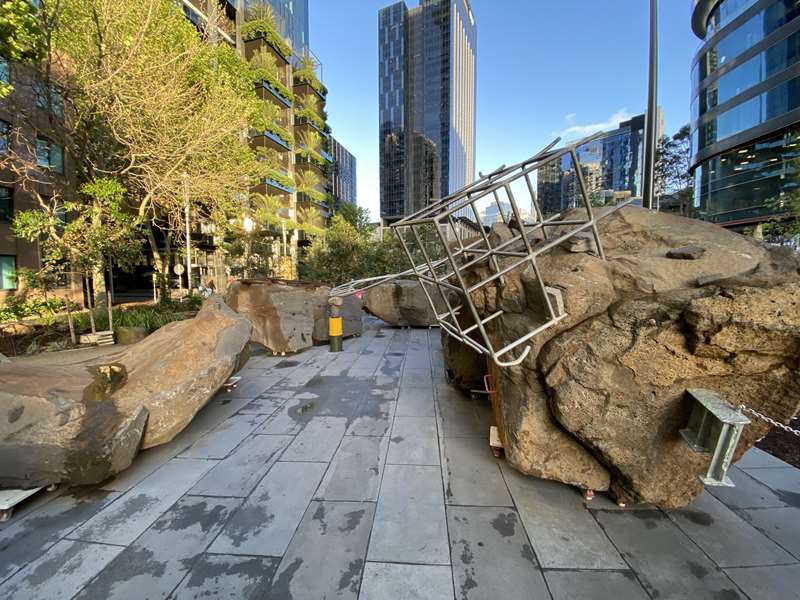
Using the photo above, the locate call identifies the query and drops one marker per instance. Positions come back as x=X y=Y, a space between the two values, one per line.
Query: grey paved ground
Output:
x=364 y=475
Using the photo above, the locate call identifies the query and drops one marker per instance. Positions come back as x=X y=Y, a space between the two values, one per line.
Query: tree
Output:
x=21 y=35
x=673 y=167
x=154 y=106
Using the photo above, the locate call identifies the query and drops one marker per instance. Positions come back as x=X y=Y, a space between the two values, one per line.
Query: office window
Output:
x=49 y=155
x=5 y=72
x=8 y=272
x=5 y=136
x=54 y=103
x=6 y=204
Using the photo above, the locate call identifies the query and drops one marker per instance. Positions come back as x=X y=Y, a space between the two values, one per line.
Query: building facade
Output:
x=24 y=126
x=427 y=78
x=745 y=109
x=343 y=174
x=611 y=167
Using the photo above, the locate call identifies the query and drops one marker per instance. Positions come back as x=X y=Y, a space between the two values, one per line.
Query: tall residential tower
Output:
x=427 y=103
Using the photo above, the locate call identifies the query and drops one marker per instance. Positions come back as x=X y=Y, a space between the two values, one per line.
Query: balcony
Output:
x=324 y=154
x=301 y=121
x=279 y=186
x=279 y=141
x=275 y=94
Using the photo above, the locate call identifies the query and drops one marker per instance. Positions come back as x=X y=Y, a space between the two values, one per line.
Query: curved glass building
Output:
x=745 y=109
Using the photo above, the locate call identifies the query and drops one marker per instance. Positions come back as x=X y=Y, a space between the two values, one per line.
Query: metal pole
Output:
x=651 y=130
x=188 y=243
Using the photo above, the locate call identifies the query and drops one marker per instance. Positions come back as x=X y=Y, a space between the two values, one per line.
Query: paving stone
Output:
x=221 y=441
x=157 y=562
x=415 y=401
x=373 y=418
x=252 y=386
x=326 y=556
x=410 y=523
x=25 y=539
x=740 y=546
x=264 y=405
x=594 y=585
x=340 y=365
x=417 y=377
x=748 y=492
x=391 y=365
x=491 y=555
x=60 y=572
x=756 y=458
x=355 y=471
x=292 y=416
x=406 y=582
x=238 y=474
x=667 y=563
x=563 y=533
x=211 y=415
x=225 y=576
x=781 y=525
x=472 y=475
x=784 y=481
x=456 y=414
x=413 y=442
x=318 y=441
x=264 y=525
x=125 y=519
x=768 y=583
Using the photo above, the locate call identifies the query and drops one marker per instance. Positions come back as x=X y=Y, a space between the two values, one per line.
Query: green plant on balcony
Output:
x=260 y=23
x=265 y=68
x=278 y=177
x=307 y=73
x=307 y=182
x=311 y=143
x=268 y=119
x=271 y=211
x=309 y=107
x=311 y=221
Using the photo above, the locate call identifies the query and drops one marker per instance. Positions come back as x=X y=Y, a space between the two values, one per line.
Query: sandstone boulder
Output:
x=600 y=399
x=57 y=424
x=403 y=303
x=176 y=370
x=290 y=316
x=80 y=422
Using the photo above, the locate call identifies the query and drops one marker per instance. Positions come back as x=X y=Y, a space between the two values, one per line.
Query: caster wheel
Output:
x=52 y=487
x=5 y=515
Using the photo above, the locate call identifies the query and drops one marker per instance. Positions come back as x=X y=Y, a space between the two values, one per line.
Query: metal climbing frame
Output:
x=454 y=278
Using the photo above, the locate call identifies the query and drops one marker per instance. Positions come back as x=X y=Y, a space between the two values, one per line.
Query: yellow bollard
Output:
x=335 y=324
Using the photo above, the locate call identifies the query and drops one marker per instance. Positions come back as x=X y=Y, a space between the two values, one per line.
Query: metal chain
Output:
x=772 y=422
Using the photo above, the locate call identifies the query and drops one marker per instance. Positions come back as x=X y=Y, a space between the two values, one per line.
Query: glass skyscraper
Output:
x=292 y=19
x=426 y=102
x=745 y=109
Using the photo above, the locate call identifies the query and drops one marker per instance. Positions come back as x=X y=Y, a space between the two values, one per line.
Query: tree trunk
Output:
x=89 y=301
x=161 y=264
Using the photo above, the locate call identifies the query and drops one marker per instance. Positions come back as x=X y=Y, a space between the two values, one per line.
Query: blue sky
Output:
x=545 y=67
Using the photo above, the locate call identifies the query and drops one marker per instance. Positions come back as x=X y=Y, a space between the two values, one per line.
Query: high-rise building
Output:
x=745 y=109
x=427 y=103
x=343 y=174
x=611 y=168
x=292 y=21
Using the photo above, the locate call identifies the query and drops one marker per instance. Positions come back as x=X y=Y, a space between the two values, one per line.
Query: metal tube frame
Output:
x=501 y=257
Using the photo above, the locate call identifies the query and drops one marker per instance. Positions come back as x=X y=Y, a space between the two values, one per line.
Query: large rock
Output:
x=175 y=371
x=290 y=316
x=80 y=422
x=600 y=399
x=403 y=303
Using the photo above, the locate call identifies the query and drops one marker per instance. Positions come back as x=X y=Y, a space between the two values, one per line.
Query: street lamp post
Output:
x=651 y=120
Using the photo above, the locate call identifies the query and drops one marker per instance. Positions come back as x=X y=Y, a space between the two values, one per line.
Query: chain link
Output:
x=772 y=422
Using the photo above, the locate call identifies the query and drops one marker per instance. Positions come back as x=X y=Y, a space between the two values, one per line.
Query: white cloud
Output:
x=576 y=132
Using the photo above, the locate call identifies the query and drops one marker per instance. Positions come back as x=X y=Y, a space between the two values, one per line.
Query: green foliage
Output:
x=357 y=216
x=17 y=307
x=284 y=180
x=265 y=68
x=307 y=73
x=280 y=132
x=21 y=36
x=260 y=23
x=345 y=253
x=150 y=317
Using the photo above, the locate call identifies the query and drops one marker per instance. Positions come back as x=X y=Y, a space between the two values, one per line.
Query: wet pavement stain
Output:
x=319 y=515
x=527 y=553
x=352 y=576
x=787 y=497
x=281 y=587
x=189 y=514
x=353 y=520
x=210 y=568
x=469 y=583
x=699 y=571
x=698 y=518
x=287 y=364
x=249 y=519
x=505 y=524
x=397 y=439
